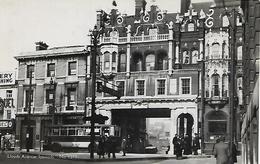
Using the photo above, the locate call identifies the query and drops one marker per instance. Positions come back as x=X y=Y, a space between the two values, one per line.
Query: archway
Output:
x=185 y=123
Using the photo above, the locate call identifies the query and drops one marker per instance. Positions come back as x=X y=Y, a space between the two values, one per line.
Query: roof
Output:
x=55 y=51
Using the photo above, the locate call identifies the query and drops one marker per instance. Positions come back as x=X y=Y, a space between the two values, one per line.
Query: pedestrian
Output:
x=196 y=144
x=234 y=155
x=174 y=142
x=217 y=141
x=123 y=146
x=101 y=147
x=111 y=147
x=221 y=151
x=187 y=145
x=179 y=149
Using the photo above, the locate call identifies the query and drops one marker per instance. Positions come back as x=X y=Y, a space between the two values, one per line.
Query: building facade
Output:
x=250 y=112
x=160 y=62
x=8 y=101
x=57 y=97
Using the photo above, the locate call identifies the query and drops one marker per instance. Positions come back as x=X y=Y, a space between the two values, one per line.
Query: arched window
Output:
x=186 y=57
x=215 y=51
x=150 y=62
x=107 y=61
x=122 y=62
x=224 y=85
x=137 y=61
x=239 y=53
x=162 y=62
x=194 y=55
x=215 y=85
x=217 y=122
x=191 y=27
x=225 y=21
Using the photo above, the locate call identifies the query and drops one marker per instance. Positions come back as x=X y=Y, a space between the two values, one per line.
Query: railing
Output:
x=143 y=38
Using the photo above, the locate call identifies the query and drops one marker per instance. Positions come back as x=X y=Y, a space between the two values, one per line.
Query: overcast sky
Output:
x=56 y=22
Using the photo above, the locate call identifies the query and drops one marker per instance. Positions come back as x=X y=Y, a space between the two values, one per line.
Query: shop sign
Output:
x=7 y=78
x=6 y=124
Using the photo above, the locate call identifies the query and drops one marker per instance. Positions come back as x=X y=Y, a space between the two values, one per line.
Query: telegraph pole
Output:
x=29 y=114
x=232 y=80
x=94 y=40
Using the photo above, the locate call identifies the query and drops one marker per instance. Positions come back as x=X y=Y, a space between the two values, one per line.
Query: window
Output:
x=225 y=21
x=107 y=62
x=224 y=85
x=30 y=70
x=51 y=70
x=121 y=87
x=150 y=62
x=186 y=57
x=161 y=86
x=28 y=99
x=215 y=85
x=239 y=53
x=194 y=56
x=217 y=122
x=8 y=114
x=50 y=96
x=113 y=61
x=122 y=66
x=215 y=51
x=9 y=93
x=185 y=86
x=71 y=97
x=72 y=68
x=191 y=27
x=140 y=87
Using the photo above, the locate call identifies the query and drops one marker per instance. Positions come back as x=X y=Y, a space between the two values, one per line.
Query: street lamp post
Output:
x=29 y=114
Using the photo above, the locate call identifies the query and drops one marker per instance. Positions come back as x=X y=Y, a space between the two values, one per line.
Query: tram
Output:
x=77 y=137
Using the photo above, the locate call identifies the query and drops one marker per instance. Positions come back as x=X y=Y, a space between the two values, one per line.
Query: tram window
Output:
x=71 y=132
x=55 y=132
x=63 y=132
x=80 y=132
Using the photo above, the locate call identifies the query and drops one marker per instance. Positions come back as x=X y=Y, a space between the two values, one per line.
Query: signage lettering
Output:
x=7 y=78
x=6 y=124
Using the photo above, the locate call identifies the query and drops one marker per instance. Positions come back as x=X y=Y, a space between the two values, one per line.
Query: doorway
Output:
x=185 y=124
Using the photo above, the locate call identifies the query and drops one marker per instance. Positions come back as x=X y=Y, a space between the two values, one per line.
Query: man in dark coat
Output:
x=221 y=152
x=111 y=147
x=178 y=148
x=174 y=142
x=196 y=144
x=187 y=145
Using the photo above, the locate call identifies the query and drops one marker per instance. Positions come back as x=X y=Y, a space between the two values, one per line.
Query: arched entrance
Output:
x=185 y=123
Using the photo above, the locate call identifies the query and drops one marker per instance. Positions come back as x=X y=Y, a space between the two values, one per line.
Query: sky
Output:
x=55 y=22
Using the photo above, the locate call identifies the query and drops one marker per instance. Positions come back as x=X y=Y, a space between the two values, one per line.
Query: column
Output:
x=128 y=51
x=173 y=129
x=37 y=133
x=177 y=53
x=170 y=47
x=201 y=50
x=18 y=132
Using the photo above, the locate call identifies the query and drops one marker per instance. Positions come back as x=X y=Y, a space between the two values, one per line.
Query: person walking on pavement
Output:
x=123 y=146
x=179 y=149
x=101 y=147
x=196 y=144
x=174 y=142
x=111 y=147
x=221 y=152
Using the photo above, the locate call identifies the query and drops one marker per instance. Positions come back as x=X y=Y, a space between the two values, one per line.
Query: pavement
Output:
x=85 y=156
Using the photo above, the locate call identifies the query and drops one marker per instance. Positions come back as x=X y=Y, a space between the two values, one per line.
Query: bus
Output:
x=77 y=137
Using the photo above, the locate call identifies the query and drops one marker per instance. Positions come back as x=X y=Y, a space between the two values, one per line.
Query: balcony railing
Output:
x=133 y=39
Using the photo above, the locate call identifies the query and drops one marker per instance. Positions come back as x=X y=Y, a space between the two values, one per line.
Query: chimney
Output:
x=185 y=6
x=138 y=8
x=41 y=46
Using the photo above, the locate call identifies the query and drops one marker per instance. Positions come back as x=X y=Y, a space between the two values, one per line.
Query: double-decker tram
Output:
x=77 y=137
